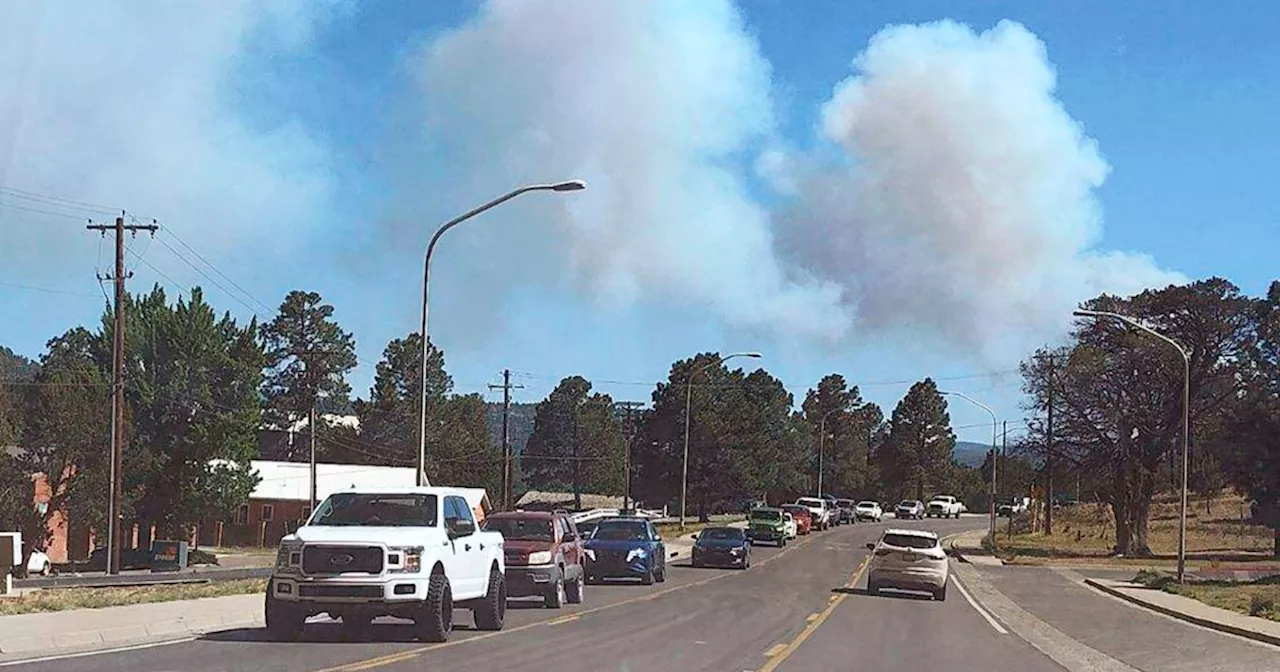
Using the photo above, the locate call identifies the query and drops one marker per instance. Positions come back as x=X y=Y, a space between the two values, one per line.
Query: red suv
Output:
x=804 y=517
x=544 y=555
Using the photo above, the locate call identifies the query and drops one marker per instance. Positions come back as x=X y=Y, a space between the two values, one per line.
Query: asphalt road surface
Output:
x=798 y=608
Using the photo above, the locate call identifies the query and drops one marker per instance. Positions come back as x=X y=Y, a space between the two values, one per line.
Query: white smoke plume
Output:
x=967 y=206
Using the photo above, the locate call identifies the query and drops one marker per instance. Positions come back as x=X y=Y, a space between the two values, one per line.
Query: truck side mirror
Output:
x=460 y=527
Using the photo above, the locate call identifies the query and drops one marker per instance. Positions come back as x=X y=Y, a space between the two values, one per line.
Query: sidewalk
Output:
x=1192 y=611
x=967 y=547
x=59 y=632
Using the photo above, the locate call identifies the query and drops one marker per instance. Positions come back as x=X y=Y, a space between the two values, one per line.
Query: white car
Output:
x=818 y=509
x=789 y=526
x=868 y=510
x=413 y=553
x=908 y=560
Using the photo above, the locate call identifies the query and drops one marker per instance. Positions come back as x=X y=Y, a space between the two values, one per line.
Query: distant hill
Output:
x=970 y=454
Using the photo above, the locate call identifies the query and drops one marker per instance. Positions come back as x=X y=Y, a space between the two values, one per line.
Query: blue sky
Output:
x=315 y=145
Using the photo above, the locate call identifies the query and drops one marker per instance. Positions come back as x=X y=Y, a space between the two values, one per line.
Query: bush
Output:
x=196 y=556
x=1153 y=579
x=1261 y=605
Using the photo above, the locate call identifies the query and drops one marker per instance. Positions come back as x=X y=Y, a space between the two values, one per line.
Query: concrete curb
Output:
x=1181 y=615
x=99 y=641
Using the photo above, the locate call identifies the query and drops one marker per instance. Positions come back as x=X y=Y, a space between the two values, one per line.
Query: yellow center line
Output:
x=563 y=619
x=401 y=656
x=776 y=655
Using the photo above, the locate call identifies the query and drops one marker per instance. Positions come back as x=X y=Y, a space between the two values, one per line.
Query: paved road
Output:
x=699 y=620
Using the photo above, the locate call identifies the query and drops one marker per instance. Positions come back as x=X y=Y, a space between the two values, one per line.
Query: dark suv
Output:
x=544 y=555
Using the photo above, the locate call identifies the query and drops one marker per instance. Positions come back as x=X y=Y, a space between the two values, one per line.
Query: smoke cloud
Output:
x=967 y=205
x=964 y=205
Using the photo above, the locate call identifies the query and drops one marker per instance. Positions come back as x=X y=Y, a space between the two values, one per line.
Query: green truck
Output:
x=767 y=524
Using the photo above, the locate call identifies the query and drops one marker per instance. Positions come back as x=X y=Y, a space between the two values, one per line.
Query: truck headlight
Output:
x=636 y=553
x=288 y=556
x=410 y=560
x=540 y=558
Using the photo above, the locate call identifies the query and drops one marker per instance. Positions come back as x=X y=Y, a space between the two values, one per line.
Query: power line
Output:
x=51 y=213
x=47 y=290
x=211 y=265
x=33 y=195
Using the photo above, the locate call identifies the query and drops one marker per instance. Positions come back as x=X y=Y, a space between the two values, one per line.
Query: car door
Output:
x=657 y=548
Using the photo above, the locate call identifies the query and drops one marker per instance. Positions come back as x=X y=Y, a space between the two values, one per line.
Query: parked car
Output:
x=1010 y=506
x=868 y=510
x=766 y=524
x=626 y=547
x=544 y=555
x=846 y=508
x=789 y=524
x=943 y=506
x=909 y=508
x=818 y=510
x=833 y=508
x=722 y=547
x=38 y=564
x=412 y=553
x=804 y=519
x=908 y=560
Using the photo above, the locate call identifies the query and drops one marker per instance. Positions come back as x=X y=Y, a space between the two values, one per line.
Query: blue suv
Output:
x=626 y=547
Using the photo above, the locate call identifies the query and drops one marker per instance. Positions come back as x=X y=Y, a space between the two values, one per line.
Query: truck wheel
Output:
x=284 y=623
x=554 y=599
x=576 y=589
x=435 y=622
x=873 y=588
x=490 y=613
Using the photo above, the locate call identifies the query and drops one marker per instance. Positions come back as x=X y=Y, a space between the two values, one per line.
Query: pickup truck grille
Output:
x=342 y=559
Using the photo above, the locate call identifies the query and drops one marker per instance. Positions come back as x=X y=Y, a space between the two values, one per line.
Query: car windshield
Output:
x=731 y=533
x=867 y=505
x=796 y=509
x=521 y=529
x=766 y=515
x=810 y=502
x=619 y=531
x=909 y=541
x=907 y=504
x=845 y=502
x=381 y=510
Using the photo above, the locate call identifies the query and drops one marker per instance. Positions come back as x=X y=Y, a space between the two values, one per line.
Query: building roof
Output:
x=543 y=499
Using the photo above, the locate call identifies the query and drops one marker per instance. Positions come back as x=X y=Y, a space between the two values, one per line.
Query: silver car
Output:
x=908 y=560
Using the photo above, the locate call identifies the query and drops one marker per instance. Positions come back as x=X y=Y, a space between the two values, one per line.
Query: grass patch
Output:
x=672 y=530
x=62 y=599
x=1255 y=598
x=1086 y=532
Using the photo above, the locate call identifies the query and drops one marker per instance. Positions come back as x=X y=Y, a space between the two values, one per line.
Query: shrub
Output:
x=1261 y=605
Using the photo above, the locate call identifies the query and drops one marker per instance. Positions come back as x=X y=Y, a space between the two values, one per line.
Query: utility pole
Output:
x=1049 y=454
x=506 y=388
x=311 y=432
x=1004 y=448
x=628 y=438
x=115 y=497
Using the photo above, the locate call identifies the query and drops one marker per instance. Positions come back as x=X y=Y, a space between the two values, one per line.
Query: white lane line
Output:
x=85 y=654
x=978 y=608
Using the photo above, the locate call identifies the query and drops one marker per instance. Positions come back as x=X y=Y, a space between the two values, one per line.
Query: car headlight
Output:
x=736 y=551
x=410 y=560
x=540 y=558
x=636 y=553
x=288 y=555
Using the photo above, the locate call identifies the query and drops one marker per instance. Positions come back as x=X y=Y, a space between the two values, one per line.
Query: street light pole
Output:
x=571 y=185
x=994 y=458
x=688 y=398
x=1186 y=419
x=822 y=438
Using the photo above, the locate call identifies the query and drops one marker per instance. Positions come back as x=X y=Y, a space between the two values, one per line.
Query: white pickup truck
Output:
x=414 y=553
x=943 y=506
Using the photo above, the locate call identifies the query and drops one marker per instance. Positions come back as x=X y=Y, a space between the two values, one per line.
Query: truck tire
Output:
x=873 y=588
x=284 y=623
x=554 y=599
x=434 y=622
x=491 y=611
x=576 y=589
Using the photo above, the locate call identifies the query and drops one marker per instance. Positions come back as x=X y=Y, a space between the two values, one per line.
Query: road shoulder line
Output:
x=978 y=608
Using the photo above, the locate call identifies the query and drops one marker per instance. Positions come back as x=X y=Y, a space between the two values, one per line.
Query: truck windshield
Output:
x=812 y=503
x=766 y=515
x=520 y=529
x=368 y=509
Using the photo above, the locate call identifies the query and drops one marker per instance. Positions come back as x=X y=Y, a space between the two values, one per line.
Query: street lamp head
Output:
x=752 y=355
x=1085 y=313
x=571 y=185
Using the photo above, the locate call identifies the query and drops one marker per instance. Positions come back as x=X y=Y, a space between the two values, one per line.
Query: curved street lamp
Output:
x=1186 y=418
x=688 y=398
x=570 y=185
x=994 y=457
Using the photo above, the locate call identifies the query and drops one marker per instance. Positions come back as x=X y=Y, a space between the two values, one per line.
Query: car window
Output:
x=520 y=529
x=731 y=533
x=909 y=541
x=765 y=515
x=621 y=531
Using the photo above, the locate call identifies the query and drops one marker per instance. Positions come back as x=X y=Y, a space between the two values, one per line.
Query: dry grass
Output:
x=1086 y=533
x=672 y=530
x=62 y=599
x=1255 y=598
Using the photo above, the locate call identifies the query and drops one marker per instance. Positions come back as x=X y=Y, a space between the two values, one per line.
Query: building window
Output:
x=268 y=513
x=241 y=516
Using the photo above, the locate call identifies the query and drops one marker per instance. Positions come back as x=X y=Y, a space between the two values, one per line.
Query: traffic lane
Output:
x=1138 y=637
x=904 y=630
x=325 y=644
x=727 y=624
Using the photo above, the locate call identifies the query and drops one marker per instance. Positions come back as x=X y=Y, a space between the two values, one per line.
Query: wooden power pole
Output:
x=628 y=438
x=116 y=486
x=506 y=388
x=1049 y=454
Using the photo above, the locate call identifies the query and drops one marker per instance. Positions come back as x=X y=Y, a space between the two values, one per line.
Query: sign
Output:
x=168 y=556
